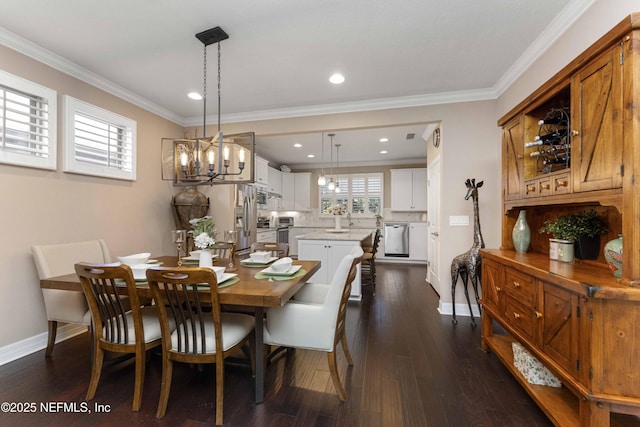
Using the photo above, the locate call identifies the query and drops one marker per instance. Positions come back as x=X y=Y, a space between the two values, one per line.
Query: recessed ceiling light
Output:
x=336 y=79
x=195 y=96
x=384 y=139
x=311 y=156
x=384 y=152
x=297 y=145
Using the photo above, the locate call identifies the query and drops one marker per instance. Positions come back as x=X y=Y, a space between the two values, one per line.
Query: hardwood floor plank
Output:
x=412 y=367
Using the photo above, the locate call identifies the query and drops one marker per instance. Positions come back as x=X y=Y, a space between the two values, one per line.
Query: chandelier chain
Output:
x=204 y=94
x=219 y=85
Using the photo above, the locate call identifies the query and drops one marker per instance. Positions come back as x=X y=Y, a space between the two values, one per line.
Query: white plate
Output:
x=249 y=261
x=293 y=269
x=225 y=277
x=335 y=230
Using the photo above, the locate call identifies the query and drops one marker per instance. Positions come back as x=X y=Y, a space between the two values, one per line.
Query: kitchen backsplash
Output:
x=313 y=219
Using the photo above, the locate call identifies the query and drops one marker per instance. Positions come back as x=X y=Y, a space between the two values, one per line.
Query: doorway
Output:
x=433 y=224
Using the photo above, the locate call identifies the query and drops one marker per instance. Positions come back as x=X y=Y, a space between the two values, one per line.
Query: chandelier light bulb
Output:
x=332 y=185
x=322 y=180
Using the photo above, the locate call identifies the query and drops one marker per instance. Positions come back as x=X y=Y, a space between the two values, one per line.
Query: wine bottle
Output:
x=552 y=121
x=560 y=133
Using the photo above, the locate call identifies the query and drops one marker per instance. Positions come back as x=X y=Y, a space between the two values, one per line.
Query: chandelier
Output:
x=219 y=159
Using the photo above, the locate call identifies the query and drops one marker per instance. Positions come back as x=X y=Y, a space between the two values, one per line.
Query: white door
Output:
x=433 y=198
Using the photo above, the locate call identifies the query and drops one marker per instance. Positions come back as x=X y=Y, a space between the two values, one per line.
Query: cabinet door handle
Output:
x=574 y=132
x=516 y=284
x=537 y=314
x=561 y=184
x=516 y=315
x=498 y=289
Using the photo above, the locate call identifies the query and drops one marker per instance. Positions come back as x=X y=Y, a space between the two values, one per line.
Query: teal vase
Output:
x=613 y=255
x=521 y=233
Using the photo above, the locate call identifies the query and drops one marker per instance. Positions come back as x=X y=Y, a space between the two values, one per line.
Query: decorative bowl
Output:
x=140 y=270
x=260 y=256
x=134 y=259
x=282 y=265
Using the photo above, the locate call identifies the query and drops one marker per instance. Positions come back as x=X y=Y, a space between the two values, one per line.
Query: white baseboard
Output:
x=25 y=347
x=461 y=309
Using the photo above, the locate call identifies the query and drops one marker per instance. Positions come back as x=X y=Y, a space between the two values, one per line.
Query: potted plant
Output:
x=580 y=230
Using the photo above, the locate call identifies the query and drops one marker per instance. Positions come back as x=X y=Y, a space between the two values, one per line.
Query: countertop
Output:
x=349 y=235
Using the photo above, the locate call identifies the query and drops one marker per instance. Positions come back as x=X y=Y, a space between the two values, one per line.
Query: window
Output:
x=360 y=194
x=98 y=142
x=27 y=123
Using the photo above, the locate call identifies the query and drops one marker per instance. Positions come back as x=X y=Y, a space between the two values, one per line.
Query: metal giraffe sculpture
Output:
x=469 y=264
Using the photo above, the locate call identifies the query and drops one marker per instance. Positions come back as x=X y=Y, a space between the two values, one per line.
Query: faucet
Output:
x=349 y=219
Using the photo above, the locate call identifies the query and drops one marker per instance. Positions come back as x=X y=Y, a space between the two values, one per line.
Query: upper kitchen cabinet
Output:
x=274 y=181
x=596 y=112
x=262 y=171
x=302 y=191
x=409 y=190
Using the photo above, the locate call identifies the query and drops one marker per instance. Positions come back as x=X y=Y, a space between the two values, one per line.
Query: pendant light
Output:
x=322 y=180
x=338 y=167
x=331 y=185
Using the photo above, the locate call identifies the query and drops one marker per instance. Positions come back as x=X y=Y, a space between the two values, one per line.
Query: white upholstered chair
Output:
x=57 y=260
x=315 y=319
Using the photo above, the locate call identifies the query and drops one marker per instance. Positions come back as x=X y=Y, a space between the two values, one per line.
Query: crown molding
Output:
x=37 y=52
x=352 y=107
x=556 y=28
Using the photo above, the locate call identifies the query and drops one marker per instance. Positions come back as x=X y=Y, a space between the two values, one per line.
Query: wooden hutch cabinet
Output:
x=575 y=318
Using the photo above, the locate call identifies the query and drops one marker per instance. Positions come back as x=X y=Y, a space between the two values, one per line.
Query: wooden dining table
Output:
x=248 y=291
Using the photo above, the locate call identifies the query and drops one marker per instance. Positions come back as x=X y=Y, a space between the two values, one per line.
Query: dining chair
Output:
x=321 y=310
x=223 y=250
x=116 y=328
x=203 y=334
x=57 y=260
x=368 y=266
x=277 y=249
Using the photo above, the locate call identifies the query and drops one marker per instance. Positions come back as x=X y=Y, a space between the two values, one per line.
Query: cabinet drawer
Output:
x=519 y=316
x=531 y=189
x=544 y=187
x=561 y=184
x=520 y=286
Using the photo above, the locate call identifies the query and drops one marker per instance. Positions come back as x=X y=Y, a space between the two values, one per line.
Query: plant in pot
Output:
x=581 y=230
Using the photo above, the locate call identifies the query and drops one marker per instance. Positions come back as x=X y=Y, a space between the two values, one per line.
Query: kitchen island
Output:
x=329 y=247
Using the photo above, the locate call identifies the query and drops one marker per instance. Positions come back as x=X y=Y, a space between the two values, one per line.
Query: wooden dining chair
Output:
x=321 y=310
x=368 y=267
x=204 y=334
x=277 y=249
x=223 y=250
x=116 y=328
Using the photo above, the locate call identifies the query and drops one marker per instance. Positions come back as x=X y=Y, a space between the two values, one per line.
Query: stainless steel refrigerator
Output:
x=246 y=217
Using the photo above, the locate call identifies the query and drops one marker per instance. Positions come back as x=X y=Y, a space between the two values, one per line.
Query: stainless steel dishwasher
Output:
x=396 y=239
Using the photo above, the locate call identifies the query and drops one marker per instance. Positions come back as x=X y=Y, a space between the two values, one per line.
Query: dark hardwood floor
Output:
x=412 y=367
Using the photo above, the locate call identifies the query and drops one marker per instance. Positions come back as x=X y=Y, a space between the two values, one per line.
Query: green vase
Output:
x=521 y=234
x=613 y=255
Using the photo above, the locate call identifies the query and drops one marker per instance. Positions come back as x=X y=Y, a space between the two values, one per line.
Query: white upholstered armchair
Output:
x=315 y=318
x=57 y=260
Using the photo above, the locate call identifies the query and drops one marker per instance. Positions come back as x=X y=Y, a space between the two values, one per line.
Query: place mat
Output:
x=226 y=283
x=299 y=273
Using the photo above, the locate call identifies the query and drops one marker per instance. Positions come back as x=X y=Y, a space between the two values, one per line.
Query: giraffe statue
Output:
x=468 y=265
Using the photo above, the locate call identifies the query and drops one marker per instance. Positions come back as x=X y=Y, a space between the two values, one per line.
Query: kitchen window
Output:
x=361 y=193
x=98 y=142
x=27 y=123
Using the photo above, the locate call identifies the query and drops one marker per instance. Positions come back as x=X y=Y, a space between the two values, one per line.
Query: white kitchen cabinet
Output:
x=288 y=191
x=302 y=191
x=274 y=181
x=262 y=171
x=330 y=253
x=409 y=190
x=418 y=240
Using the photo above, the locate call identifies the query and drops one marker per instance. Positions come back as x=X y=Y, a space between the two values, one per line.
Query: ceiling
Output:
x=279 y=56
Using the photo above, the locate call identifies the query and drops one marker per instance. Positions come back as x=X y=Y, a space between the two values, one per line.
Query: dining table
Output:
x=252 y=289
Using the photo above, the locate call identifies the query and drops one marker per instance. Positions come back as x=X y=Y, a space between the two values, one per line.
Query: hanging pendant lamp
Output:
x=338 y=168
x=322 y=180
x=331 y=185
